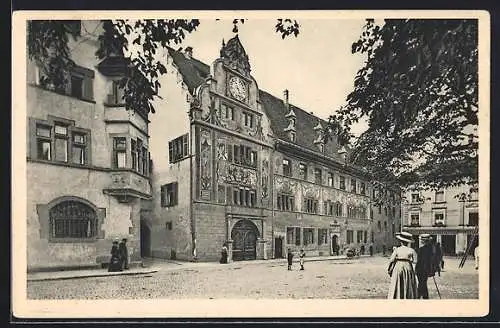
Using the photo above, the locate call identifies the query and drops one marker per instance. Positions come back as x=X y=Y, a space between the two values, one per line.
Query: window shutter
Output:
x=170 y=152
x=88 y=88
x=230 y=153
x=185 y=145
x=176 y=193
x=162 y=196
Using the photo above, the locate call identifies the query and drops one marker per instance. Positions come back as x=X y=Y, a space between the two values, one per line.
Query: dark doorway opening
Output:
x=448 y=244
x=335 y=245
x=278 y=247
x=145 y=239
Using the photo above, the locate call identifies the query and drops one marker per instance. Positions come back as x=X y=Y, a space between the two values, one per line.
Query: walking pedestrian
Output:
x=289 y=258
x=224 y=252
x=114 y=262
x=302 y=255
x=403 y=281
x=439 y=263
x=425 y=265
x=122 y=248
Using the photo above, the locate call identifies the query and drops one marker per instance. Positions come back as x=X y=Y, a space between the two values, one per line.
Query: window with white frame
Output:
x=330 y=179
x=414 y=219
x=59 y=140
x=415 y=198
x=439 y=196
x=439 y=218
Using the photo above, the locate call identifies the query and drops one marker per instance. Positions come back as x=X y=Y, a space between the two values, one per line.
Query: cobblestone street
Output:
x=362 y=278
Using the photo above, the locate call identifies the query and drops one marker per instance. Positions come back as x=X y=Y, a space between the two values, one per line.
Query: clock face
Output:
x=237 y=88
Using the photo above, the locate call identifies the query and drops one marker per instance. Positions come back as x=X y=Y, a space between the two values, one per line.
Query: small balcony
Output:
x=127 y=185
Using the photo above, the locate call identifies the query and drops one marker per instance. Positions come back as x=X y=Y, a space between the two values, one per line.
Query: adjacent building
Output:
x=221 y=161
x=450 y=215
x=87 y=164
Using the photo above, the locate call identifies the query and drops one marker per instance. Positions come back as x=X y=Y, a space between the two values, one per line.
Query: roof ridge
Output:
x=301 y=109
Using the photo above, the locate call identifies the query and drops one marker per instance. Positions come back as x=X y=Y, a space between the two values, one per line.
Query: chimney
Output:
x=188 y=52
x=285 y=97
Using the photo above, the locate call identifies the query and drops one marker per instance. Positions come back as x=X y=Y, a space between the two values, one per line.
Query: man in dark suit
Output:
x=425 y=266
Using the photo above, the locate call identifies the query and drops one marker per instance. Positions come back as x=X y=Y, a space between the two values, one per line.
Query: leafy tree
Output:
x=48 y=46
x=418 y=91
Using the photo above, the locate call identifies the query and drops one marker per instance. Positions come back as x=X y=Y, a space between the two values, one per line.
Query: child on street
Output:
x=290 y=259
x=302 y=254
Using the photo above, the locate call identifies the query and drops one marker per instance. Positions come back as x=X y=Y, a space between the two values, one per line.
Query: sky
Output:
x=317 y=67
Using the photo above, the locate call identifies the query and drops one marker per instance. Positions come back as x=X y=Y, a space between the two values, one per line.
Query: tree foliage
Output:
x=48 y=46
x=418 y=91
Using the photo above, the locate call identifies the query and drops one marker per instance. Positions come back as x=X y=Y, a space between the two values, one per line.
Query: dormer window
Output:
x=319 y=141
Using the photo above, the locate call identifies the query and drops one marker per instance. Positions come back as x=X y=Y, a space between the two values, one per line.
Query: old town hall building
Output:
x=221 y=161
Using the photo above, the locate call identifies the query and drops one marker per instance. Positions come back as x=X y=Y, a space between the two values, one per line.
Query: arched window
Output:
x=72 y=219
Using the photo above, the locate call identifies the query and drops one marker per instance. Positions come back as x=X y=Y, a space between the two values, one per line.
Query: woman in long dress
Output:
x=401 y=269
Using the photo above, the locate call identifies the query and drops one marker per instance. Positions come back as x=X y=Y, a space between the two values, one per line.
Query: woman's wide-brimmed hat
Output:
x=405 y=236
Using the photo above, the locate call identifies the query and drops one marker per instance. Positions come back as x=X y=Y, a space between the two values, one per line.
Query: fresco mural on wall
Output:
x=265 y=181
x=205 y=165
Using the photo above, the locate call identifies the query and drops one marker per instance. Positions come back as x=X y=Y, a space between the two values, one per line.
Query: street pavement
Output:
x=340 y=278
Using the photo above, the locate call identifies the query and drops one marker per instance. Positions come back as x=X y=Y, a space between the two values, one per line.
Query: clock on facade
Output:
x=237 y=88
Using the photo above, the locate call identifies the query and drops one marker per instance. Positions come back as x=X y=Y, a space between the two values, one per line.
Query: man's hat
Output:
x=425 y=236
x=405 y=236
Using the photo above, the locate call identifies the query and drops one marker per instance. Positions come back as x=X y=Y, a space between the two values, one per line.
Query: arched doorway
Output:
x=335 y=245
x=244 y=236
x=145 y=239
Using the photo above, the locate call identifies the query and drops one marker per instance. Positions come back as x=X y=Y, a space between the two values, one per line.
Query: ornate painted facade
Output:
x=243 y=181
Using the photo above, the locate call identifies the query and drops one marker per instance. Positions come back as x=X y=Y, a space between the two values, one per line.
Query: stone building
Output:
x=240 y=166
x=221 y=161
x=450 y=215
x=87 y=163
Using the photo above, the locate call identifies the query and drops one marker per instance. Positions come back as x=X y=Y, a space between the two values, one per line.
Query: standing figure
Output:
x=371 y=249
x=476 y=257
x=123 y=253
x=223 y=258
x=362 y=249
x=425 y=265
x=302 y=255
x=438 y=258
x=403 y=281
x=114 y=262
x=383 y=249
x=290 y=259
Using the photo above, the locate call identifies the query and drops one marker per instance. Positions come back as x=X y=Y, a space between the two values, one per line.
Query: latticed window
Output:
x=72 y=219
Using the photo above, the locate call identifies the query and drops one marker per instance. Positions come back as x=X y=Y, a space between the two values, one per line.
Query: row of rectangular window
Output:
x=139 y=154
x=61 y=143
x=243 y=155
x=287 y=203
x=361 y=236
x=227 y=112
x=287 y=171
x=293 y=236
x=439 y=219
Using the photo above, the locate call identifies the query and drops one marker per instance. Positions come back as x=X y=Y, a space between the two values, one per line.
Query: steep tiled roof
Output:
x=194 y=73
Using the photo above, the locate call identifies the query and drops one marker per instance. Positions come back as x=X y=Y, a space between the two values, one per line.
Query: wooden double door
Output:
x=244 y=235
